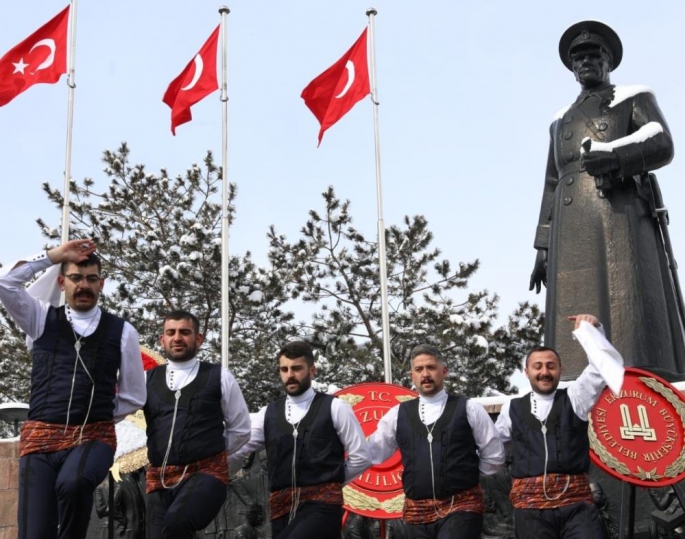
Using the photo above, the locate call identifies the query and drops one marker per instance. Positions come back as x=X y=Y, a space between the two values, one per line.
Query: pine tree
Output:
x=334 y=266
x=159 y=239
x=160 y=242
x=15 y=362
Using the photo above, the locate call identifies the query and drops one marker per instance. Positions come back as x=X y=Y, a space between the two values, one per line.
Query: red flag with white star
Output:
x=41 y=57
x=196 y=81
x=332 y=94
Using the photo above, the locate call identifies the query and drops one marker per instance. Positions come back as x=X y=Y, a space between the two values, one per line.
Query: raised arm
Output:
x=605 y=365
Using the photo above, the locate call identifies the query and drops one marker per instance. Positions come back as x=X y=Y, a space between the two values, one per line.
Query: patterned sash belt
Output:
x=281 y=501
x=40 y=437
x=528 y=493
x=427 y=511
x=215 y=466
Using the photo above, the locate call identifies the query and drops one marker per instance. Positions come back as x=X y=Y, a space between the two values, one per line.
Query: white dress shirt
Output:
x=604 y=364
x=30 y=313
x=383 y=442
x=344 y=422
x=236 y=415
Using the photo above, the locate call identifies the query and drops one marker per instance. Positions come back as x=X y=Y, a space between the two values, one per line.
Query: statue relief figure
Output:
x=600 y=246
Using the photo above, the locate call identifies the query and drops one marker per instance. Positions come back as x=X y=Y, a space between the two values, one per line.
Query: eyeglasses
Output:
x=76 y=278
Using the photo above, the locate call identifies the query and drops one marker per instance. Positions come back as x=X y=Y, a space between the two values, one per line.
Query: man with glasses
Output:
x=87 y=373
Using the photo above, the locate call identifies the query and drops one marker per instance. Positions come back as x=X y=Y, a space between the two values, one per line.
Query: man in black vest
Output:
x=547 y=430
x=446 y=442
x=86 y=373
x=307 y=436
x=195 y=414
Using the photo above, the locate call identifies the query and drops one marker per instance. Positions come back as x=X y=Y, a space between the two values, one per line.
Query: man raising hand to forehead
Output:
x=86 y=373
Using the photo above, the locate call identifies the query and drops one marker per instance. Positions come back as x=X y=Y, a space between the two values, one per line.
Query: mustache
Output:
x=292 y=381
x=545 y=378
x=84 y=294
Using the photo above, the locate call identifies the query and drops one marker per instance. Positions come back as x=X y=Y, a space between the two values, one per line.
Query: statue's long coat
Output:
x=605 y=252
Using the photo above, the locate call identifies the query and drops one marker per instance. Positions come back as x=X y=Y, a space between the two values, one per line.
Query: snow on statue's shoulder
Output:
x=621 y=93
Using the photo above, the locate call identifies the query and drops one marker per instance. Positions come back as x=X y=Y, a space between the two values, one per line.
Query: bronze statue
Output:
x=599 y=240
x=254 y=518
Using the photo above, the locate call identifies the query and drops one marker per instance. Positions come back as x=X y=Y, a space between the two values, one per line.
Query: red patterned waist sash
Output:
x=41 y=437
x=282 y=501
x=215 y=466
x=529 y=492
x=430 y=510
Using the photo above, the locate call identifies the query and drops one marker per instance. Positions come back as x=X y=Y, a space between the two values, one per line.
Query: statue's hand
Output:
x=598 y=163
x=539 y=275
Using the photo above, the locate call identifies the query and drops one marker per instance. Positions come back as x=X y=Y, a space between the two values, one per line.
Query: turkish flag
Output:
x=41 y=57
x=332 y=94
x=195 y=82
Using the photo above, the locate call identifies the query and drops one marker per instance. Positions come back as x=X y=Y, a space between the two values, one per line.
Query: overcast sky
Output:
x=467 y=93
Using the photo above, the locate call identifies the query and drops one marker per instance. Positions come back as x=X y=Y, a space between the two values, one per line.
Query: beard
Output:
x=302 y=386
x=547 y=390
x=181 y=354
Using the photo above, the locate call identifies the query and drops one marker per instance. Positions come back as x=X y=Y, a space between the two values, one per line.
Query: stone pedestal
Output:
x=9 y=484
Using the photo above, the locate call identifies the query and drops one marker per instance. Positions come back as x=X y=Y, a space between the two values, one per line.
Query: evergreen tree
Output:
x=160 y=242
x=159 y=239
x=15 y=362
x=334 y=266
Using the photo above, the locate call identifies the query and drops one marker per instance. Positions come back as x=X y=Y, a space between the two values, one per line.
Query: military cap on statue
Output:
x=590 y=33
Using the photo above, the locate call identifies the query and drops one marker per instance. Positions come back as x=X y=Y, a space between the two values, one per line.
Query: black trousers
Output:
x=180 y=512
x=57 y=489
x=459 y=525
x=577 y=521
x=314 y=520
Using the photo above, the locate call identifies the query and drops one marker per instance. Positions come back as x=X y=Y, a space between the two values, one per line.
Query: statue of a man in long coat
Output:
x=600 y=246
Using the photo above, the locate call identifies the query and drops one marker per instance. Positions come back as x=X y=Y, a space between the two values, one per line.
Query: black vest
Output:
x=320 y=456
x=54 y=357
x=199 y=428
x=455 y=460
x=567 y=441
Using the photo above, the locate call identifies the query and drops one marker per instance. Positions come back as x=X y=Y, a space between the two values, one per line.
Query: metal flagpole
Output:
x=70 y=120
x=225 y=334
x=387 y=365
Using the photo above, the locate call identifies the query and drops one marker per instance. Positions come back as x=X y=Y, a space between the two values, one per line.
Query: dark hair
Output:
x=297 y=349
x=427 y=349
x=92 y=260
x=183 y=315
x=542 y=349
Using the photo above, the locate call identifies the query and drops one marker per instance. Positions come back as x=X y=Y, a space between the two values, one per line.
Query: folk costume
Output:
x=446 y=442
x=195 y=414
x=550 y=448
x=306 y=439
x=86 y=374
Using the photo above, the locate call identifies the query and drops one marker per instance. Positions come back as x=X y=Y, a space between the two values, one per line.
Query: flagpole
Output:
x=70 y=121
x=225 y=260
x=387 y=364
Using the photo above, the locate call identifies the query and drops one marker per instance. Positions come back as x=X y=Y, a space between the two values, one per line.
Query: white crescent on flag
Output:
x=350 y=78
x=199 y=66
x=49 y=43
